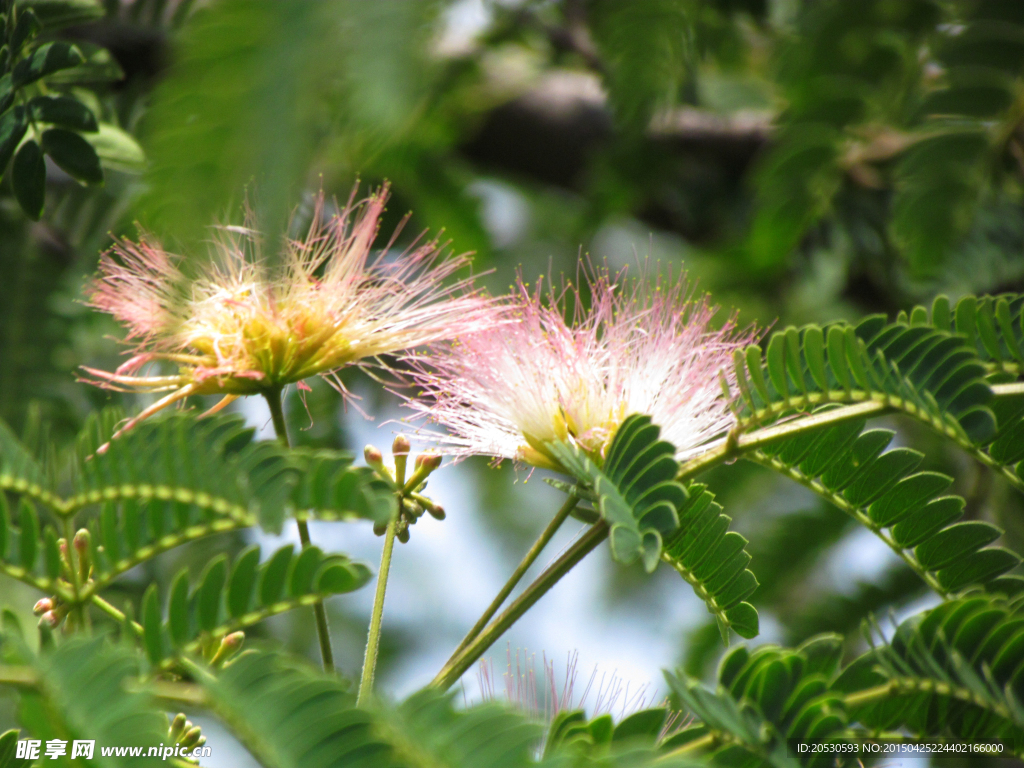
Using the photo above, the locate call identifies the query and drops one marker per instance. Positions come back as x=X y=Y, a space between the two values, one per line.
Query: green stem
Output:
x=733 y=446
x=517 y=574
x=323 y=634
x=115 y=614
x=377 y=615
x=709 y=741
x=373 y=636
x=461 y=661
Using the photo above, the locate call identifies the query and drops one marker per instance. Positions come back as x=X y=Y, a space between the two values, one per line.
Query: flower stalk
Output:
x=400 y=450
x=538 y=546
x=323 y=633
x=457 y=665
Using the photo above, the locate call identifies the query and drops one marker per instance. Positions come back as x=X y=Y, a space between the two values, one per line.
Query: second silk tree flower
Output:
x=242 y=327
x=646 y=348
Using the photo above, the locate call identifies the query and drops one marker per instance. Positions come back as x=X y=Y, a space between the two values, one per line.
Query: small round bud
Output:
x=51 y=618
x=229 y=645
x=403 y=535
x=42 y=606
x=177 y=727
x=431 y=461
x=233 y=641
x=379 y=529
x=191 y=737
x=373 y=456
x=418 y=462
x=62 y=545
x=401 y=445
x=81 y=540
x=437 y=512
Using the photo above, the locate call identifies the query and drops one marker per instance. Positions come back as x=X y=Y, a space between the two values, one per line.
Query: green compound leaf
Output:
x=175 y=480
x=713 y=560
x=764 y=697
x=632 y=742
x=653 y=517
x=86 y=692
x=929 y=373
x=20 y=546
x=992 y=325
x=880 y=489
x=287 y=713
x=636 y=489
x=329 y=486
x=941 y=179
x=229 y=597
x=954 y=671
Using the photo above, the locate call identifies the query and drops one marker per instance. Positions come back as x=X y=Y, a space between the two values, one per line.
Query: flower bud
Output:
x=81 y=540
x=400 y=446
x=229 y=645
x=42 y=606
x=50 y=618
x=430 y=461
x=177 y=728
x=400 y=450
x=379 y=529
x=403 y=535
x=436 y=510
x=191 y=737
x=374 y=458
x=81 y=544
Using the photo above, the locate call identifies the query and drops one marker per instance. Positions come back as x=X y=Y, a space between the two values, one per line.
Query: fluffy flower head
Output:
x=244 y=328
x=642 y=347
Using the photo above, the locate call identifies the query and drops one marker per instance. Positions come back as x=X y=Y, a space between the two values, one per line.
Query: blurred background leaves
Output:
x=803 y=160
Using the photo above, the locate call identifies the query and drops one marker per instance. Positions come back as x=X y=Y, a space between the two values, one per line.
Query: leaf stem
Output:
x=114 y=613
x=323 y=634
x=732 y=446
x=373 y=636
x=528 y=560
x=461 y=661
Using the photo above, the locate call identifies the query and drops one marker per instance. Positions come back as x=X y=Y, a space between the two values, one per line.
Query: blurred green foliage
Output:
x=804 y=160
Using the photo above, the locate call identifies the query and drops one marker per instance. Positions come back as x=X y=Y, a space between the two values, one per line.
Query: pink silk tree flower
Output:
x=243 y=328
x=646 y=348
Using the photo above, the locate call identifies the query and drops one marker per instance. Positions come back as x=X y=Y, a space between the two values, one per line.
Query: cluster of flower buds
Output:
x=182 y=731
x=74 y=569
x=411 y=499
